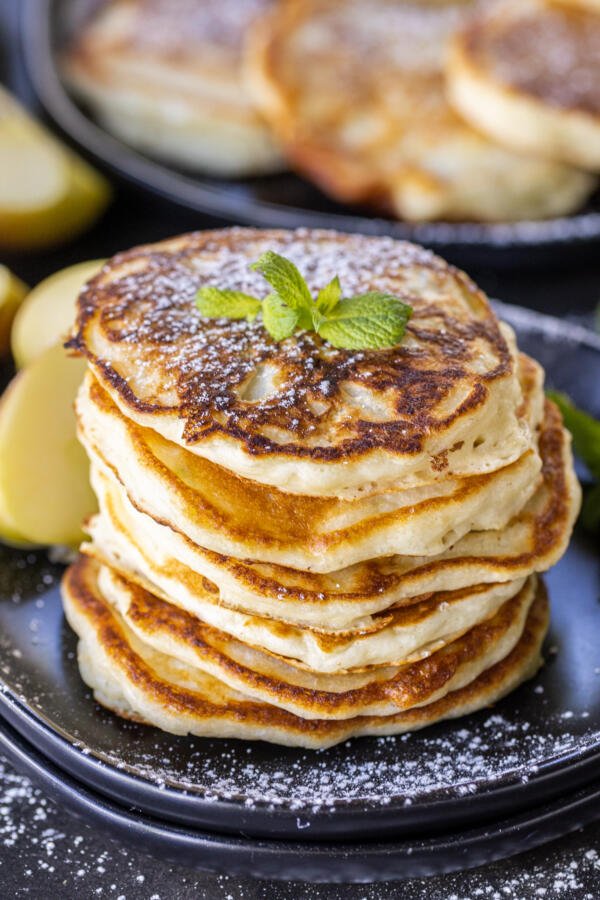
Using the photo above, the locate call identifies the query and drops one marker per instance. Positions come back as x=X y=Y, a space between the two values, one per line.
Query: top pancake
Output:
x=354 y=90
x=302 y=415
x=166 y=76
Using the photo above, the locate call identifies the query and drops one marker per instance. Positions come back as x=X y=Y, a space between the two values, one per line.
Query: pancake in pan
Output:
x=354 y=90
x=301 y=415
x=527 y=73
x=165 y=75
x=221 y=512
x=142 y=683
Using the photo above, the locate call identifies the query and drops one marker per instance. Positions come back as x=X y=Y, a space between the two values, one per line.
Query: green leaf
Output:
x=329 y=296
x=217 y=304
x=585 y=430
x=368 y=321
x=590 y=511
x=288 y=283
x=279 y=320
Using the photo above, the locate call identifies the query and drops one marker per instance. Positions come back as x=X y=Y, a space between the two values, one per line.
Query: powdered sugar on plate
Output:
x=42 y=849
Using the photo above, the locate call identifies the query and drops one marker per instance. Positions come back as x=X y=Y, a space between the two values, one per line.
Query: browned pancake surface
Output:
x=161 y=357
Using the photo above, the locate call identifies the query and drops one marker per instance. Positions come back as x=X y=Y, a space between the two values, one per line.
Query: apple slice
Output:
x=12 y=292
x=49 y=311
x=47 y=193
x=45 y=492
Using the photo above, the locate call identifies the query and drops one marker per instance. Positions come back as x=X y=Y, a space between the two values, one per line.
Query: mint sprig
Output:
x=586 y=441
x=370 y=321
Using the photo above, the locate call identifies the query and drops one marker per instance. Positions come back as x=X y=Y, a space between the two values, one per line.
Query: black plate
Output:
x=301 y=861
x=538 y=743
x=285 y=200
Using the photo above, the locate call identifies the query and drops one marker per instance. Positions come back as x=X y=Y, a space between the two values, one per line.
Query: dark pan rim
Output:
x=202 y=196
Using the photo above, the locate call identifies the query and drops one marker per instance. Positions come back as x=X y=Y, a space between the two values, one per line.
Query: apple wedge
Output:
x=47 y=193
x=12 y=292
x=44 y=473
x=48 y=311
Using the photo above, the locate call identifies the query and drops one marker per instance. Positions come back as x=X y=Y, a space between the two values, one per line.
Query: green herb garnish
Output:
x=369 y=321
x=586 y=441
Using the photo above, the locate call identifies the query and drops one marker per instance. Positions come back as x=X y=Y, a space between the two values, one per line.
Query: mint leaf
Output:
x=368 y=321
x=288 y=283
x=590 y=511
x=217 y=304
x=279 y=320
x=329 y=296
x=584 y=428
x=586 y=441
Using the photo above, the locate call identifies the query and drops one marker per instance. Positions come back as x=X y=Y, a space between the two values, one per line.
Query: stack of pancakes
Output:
x=300 y=543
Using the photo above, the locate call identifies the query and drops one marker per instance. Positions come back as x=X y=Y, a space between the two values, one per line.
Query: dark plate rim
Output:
x=506 y=796
x=201 y=195
x=317 y=862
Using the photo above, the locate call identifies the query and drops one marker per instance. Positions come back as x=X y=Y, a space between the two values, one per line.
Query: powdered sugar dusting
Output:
x=43 y=849
x=409 y=768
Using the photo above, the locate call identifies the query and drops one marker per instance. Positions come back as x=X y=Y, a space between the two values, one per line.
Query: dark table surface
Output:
x=44 y=852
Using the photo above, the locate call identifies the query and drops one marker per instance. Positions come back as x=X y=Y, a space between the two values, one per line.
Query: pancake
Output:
x=354 y=90
x=396 y=634
x=165 y=75
x=140 y=682
x=380 y=690
x=527 y=73
x=301 y=415
x=221 y=512
x=578 y=4
x=198 y=580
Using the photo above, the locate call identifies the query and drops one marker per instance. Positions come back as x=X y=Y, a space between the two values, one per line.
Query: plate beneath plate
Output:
x=301 y=861
x=538 y=743
x=283 y=201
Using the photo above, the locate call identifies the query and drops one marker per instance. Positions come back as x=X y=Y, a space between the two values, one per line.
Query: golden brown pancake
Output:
x=139 y=682
x=354 y=89
x=165 y=75
x=301 y=415
x=527 y=73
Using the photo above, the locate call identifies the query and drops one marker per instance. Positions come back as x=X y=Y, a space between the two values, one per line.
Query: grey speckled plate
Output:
x=538 y=743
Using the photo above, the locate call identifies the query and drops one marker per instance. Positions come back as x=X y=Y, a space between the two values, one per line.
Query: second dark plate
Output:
x=538 y=743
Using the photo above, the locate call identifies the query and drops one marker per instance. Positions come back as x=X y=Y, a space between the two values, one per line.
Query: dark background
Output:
x=43 y=852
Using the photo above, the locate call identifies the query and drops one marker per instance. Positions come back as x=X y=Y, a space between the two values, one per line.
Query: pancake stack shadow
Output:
x=302 y=544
